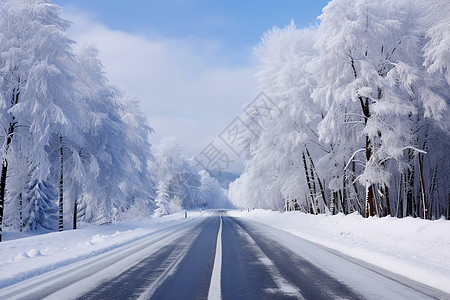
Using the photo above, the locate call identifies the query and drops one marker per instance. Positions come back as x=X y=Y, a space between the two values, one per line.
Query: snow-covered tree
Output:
x=361 y=113
x=139 y=186
x=356 y=50
x=116 y=151
x=166 y=204
x=180 y=184
x=37 y=67
x=211 y=194
x=437 y=49
x=73 y=146
x=281 y=169
x=371 y=83
x=180 y=177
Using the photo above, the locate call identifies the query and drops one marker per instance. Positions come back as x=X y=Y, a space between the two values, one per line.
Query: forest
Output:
x=74 y=147
x=364 y=124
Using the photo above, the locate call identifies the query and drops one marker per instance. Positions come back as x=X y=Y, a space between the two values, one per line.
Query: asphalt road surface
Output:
x=220 y=257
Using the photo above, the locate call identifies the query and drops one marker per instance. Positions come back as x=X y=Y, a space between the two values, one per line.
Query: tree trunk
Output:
x=61 y=186
x=368 y=207
x=355 y=188
x=377 y=202
x=344 y=193
x=20 y=213
x=308 y=180
x=332 y=205
x=388 y=203
x=12 y=126
x=322 y=190
x=430 y=196
x=2 y=193
x=399 y=196
x=369 y=211
x=422 y=185
x=75 y=214
x=314 y=190
x=448 y=207
x=410 y=185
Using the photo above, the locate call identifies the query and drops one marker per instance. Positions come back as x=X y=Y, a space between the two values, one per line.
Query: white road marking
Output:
x=214 y=287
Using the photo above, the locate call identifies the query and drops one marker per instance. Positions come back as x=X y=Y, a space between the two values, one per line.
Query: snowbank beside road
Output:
x=414 y=248
x=27 y=257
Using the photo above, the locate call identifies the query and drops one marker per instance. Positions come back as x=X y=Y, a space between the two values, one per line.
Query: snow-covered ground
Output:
x=414 y=248
x=26 y=257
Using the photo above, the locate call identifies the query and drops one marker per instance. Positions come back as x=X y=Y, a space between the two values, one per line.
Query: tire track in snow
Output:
x=170 y=269
x=283 y=285
x=93 y=270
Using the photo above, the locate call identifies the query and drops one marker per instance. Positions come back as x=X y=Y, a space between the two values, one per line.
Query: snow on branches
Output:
x=365 y=97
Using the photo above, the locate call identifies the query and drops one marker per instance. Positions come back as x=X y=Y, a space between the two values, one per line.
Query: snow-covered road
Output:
x=180 y=260
x=77 y=278
x=318 y=272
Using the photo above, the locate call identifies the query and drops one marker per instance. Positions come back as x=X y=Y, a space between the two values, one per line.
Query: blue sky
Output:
x=236 y=25
x=190 y=63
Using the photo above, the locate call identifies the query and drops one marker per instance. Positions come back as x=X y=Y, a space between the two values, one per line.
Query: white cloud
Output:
x=184 y=85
